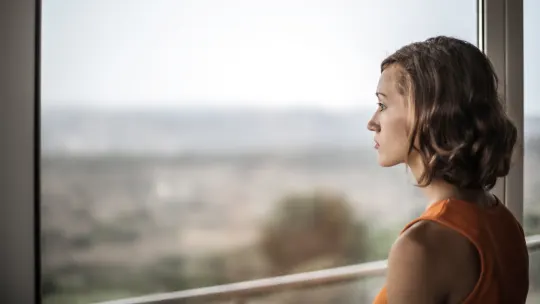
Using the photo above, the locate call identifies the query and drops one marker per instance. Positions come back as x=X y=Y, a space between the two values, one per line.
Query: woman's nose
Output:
x=373 y=125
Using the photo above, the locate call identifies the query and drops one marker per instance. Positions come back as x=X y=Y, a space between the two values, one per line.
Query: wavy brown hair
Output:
x=459 y=125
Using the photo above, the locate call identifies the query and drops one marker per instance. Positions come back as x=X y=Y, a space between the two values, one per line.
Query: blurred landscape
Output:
x=139 y=202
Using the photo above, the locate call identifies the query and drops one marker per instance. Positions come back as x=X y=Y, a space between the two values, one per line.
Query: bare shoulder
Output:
x=430 y=263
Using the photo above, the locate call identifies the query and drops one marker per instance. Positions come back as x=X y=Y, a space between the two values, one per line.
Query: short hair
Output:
x=459 y=125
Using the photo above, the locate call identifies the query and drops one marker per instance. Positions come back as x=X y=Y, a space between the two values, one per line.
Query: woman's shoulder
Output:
x=437 y=240
x=449 y=260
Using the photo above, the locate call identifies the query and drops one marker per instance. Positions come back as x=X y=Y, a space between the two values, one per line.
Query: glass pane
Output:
x=534 y=283
x=531 y=11
x=194 y=143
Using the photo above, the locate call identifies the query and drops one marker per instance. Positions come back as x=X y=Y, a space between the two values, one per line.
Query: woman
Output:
x=439 y=113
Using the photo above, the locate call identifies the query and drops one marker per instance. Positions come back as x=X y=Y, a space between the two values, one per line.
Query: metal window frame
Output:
x=19 y=121
x=500 y=32
x=500 y=36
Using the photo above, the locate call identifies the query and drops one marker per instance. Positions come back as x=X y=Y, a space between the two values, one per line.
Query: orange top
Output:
x=500 y=241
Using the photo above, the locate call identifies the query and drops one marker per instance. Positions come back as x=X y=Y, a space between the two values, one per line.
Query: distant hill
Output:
x=164 y=132
x=200 y=131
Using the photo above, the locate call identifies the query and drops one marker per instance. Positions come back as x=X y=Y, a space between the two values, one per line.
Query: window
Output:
x=532 y=118
x=534 y=283
x=531 y=67
x=194 y=143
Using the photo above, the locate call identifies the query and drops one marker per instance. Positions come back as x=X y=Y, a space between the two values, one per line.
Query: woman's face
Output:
x=390 y=121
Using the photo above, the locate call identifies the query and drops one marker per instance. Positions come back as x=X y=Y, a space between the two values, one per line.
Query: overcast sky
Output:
x=127 y=53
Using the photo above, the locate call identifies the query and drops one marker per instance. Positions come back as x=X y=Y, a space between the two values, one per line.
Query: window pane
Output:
x=531 y=11
x=534 y=282
x=194 y=143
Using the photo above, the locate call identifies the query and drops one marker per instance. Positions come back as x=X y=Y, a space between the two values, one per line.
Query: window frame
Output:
x=500 y=34
x=19 y=162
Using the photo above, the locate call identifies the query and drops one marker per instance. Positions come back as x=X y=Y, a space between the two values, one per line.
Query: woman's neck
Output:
x=440 y=189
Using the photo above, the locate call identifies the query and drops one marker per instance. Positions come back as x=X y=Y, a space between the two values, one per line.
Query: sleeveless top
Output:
x=501 y=245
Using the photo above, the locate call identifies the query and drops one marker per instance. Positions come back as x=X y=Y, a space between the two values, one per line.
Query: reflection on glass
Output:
x=531 y=10
x=195 y=143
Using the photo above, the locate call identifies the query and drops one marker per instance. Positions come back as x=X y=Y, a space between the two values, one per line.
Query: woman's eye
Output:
x=381 y=106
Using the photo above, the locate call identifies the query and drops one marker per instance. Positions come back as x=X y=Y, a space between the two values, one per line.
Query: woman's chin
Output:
x=382 y=162
x=385 y=162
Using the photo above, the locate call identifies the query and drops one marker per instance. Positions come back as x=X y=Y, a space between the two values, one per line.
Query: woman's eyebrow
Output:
x=379 y=94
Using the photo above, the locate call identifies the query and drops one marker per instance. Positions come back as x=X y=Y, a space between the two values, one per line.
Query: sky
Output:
x=279 y=53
